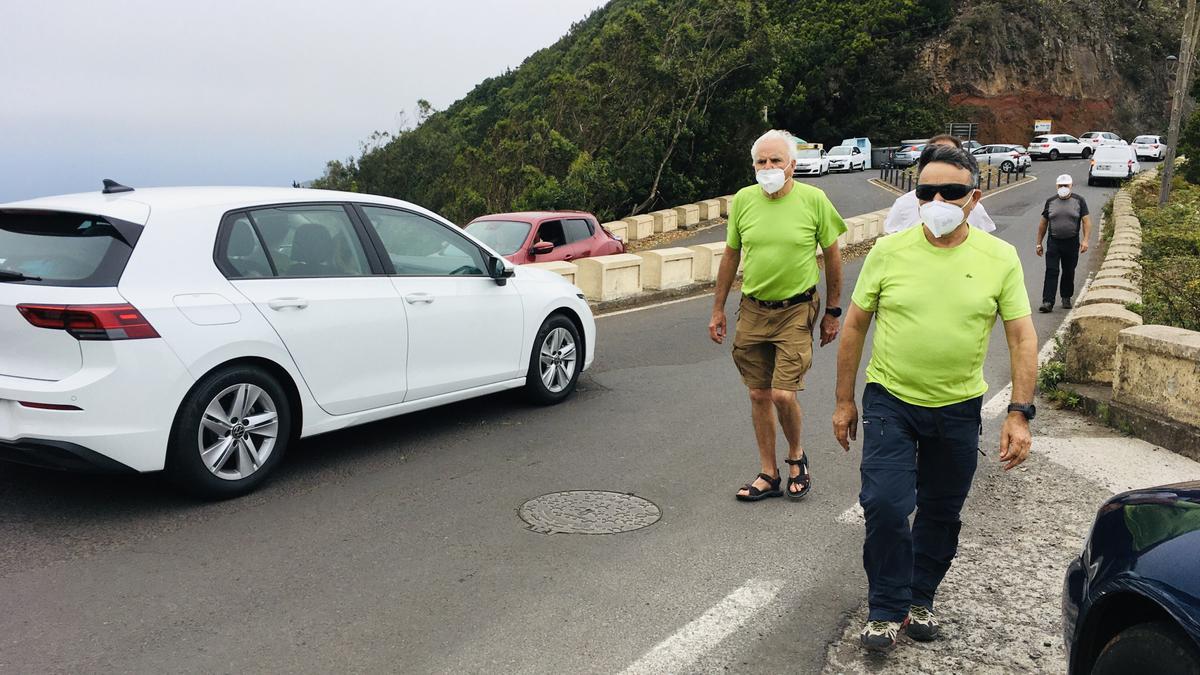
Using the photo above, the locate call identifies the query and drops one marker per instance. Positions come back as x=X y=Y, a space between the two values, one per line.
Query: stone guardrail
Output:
x=620 y=277
x=1149 y=376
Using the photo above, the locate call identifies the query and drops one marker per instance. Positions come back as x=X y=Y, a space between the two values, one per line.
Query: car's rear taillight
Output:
x=1093 y=162
x=91 y=322
x=1016 y=154
x=1131 y=162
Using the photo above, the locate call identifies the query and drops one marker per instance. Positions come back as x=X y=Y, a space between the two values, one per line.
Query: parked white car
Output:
x=1053 y=146
x=846 y=158
x=1099 y=138
x=811 y=162
x=1113 y=163
x=204 y=330
x=1007 y=157
x=1150 y=147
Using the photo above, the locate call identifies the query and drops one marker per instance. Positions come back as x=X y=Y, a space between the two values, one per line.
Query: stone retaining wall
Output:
x=1153 y=371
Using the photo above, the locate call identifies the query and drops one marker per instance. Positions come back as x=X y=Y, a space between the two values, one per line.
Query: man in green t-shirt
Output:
x=775 y=228
x=935 y=292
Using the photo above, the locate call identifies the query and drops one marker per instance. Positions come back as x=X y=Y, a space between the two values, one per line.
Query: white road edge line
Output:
x=691 y=642
x=654 y=306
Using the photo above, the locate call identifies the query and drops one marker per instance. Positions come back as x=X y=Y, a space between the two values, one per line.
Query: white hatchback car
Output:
x=846 y=158
x=203 y=330
x=1099 y=138
x=811 y=162
x=1053 y=146
x=1150 y=147
x=1113 y=163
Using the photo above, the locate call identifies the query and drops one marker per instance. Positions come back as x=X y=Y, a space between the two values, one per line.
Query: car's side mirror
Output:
x=499 y=270
x=541 y=248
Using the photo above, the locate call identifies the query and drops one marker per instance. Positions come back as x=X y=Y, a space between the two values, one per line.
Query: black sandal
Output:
x=804 y=480
x=756 y=494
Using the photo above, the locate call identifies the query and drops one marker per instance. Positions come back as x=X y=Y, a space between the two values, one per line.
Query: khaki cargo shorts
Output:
x=772 y=348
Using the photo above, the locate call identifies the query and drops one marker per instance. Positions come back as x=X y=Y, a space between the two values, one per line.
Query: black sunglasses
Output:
x=949 y=191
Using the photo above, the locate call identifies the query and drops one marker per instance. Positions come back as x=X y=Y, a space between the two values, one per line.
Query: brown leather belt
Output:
x=806 y=296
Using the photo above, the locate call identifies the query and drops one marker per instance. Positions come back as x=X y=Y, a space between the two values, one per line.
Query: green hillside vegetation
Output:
x=648 y=104
x=652 y=103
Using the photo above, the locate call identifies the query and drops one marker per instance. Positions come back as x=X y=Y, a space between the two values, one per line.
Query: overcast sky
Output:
x=162 y=92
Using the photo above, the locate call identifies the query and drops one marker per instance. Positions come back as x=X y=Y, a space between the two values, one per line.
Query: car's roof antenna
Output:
x=111 y=186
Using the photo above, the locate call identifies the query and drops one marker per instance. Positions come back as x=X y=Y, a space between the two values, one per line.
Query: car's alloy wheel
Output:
x=231 y=430
x=555 y=362
x=1054 y=154
x=238 y=431
x=1006 y=167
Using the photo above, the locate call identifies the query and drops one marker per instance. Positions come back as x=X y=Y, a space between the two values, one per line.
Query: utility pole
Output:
x=1183 y=79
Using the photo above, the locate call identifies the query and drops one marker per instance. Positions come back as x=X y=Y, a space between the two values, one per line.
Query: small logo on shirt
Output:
x=969 y=276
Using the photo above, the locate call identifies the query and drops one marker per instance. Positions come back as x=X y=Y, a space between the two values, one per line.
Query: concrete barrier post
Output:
x=667 y=268
x=664 y=221
x=609 y=277
x=563 y=268
x=639 y=227
x=619 y=229
x=707 y=262
x=687 y=216
x=710 y=209
x=1158 y=370
x=1091 y=342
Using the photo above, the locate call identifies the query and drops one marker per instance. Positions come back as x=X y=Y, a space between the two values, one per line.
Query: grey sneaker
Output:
x=1046 y=307
x=1066 y=303
x=880 y=636
x=922 y=625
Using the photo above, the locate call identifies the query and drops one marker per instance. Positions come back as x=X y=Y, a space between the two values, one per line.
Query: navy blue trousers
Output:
x=913 y=457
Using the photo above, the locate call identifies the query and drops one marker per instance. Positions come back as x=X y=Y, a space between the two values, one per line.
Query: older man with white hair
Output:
x=1065 y=218
x=775 y=228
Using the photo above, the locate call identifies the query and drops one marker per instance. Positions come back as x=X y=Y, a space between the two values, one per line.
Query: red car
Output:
x=545 y=236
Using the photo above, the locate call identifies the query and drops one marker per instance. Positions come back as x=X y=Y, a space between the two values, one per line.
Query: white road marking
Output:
x=690 y=643
x=654 y=306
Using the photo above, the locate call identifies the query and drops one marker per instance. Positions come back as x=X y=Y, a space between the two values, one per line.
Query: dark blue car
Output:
x=1131 y=601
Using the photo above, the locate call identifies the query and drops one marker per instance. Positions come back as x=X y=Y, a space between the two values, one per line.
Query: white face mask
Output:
x=771 y=180
x=1064 y=192
x=942 y=218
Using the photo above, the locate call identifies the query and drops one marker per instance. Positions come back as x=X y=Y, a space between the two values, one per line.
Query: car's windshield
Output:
x=505 y=236
x=840 y=150
x=808 y=154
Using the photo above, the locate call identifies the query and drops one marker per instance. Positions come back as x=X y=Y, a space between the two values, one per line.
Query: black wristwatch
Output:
x=1026 y=409
x=835 y=312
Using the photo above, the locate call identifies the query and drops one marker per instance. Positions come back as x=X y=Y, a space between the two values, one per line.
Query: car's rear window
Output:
x=1040 y=139
x=51 y=248
x=1146 y=139
x=1112 y=152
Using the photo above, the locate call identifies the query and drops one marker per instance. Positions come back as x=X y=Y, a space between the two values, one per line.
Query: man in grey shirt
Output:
x=1066 y=216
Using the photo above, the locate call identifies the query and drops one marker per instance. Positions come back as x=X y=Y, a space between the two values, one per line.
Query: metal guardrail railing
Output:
x=904 y=179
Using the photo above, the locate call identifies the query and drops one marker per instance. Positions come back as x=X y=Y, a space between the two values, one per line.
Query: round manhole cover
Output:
x=588 y=512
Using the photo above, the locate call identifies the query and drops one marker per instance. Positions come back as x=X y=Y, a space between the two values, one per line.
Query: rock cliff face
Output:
x=1095 y=65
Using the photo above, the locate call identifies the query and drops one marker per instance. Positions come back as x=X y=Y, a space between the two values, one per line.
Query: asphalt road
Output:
x=397 y=546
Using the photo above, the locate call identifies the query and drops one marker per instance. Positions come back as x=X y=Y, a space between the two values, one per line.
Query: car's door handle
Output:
x=418 y=299
x=280 y=304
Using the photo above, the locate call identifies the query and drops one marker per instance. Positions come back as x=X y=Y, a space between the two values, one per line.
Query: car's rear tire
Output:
x=1006 y=166
x=213 y=453
x=1091 y=182
x=1053 y=155
x=556 y=361
x=1158 y=647
x=1087 y=152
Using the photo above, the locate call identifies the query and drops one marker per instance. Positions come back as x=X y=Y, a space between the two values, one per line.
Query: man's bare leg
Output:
x=762 y=412
x=787 y=408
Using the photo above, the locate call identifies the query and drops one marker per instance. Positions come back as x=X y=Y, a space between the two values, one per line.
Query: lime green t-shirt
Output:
x=779 y=238
x=934 y=311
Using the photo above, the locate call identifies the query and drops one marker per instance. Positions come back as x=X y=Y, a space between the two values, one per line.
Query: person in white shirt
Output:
x=905 y=212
